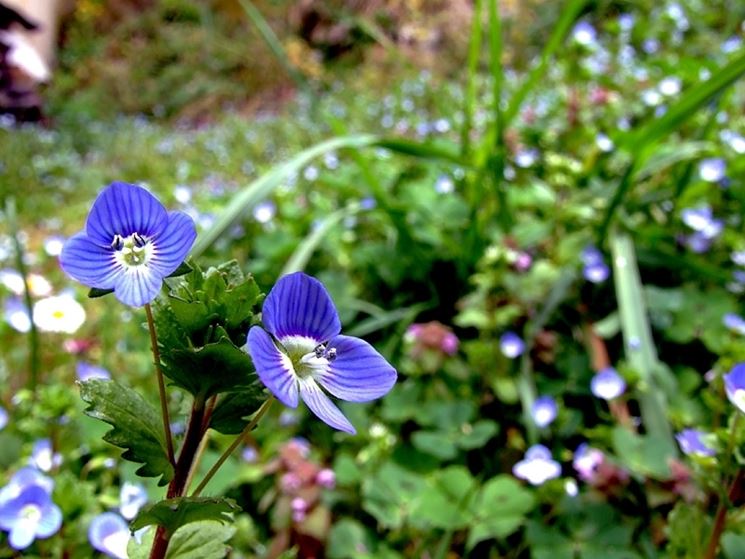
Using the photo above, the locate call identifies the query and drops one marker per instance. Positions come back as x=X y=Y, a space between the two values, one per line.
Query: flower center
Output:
x=32 y=513
x=307 y=356
x=134 y=250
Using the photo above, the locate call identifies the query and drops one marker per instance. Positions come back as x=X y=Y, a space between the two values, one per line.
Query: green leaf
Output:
x=436 y=443
x=174 y=513
x=391 y=493
x=182 y=270
x=95 y=292
x=137 y=426
x=348 y=540
x=231 y=412
x=447 y=502
x=211 y=369
x=500 y=509
x=200 y=540
x=643 y=454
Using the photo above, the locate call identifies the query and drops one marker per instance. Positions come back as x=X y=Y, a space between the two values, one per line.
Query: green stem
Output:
x=474 y=48
x=238 y=440
x=33 y=333
x=161 y=384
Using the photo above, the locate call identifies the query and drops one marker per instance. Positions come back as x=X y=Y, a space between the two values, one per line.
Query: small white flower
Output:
x=61 y=313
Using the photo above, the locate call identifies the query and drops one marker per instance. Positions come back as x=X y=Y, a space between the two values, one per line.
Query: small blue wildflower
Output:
x=265 y=211
x=544 y=411
x=604 y=143
x=109 y=534
x=734 y=140
x=511 y=345
x=29 y=515
x=87 y=371
x=584 y=34
x=129 y=245
x=595 y=269
x=670 y=86
x=249 y=454
x=701 y=220
x=132 y=497
x=3 y=418
x=43 y=456
x=734 y=386
x=712 y=169
x=607 y=384
x=16 y=314
x=738 y=257
x=23 y=478
x=444 y=184
x=538 y=466
x=734 y=322
x=586 y=461
x=691 y=442
x=526 y=157
x=300 y=350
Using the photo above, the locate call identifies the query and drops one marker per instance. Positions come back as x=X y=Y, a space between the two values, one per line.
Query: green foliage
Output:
x=172 y=514
x=197 y=540
x=202 y=327
x=136 y=426
x=232 y=411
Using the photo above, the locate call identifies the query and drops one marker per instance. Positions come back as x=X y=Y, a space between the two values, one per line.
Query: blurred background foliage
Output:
x=462 y=181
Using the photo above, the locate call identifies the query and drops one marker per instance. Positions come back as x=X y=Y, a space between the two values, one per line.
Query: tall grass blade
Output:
x=689 y=103
x=259 y=189
x=568 y=16
x=469 y=101
x=274 y=44
x=641 y=354
x=495 y=66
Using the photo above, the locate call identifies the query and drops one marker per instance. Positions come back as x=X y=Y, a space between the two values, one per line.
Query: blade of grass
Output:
x=383 y=320
x=495 y=67
x=469 y=102
x=688 y=104
x=300 y=257
x=569 y=14
x=274 y=44
x=637 y=334
x=34 y=358
x=259 y=189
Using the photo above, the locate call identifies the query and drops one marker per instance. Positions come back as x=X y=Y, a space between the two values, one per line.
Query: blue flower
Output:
x=43 y=456
x=3 y=418
x=511 y=345
x=538 y=466
x=299 y=350
x=109 y=534
x=543 y=411
x=21 y=479
x=132 y=497
x=608 y=384
x=28 y=516
x=734 y=386
x=691 y=442
x=130 y=243
x=595 y=269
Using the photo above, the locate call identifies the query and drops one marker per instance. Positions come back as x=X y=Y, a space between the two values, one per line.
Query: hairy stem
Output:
x=238 y=440
x=161 y=384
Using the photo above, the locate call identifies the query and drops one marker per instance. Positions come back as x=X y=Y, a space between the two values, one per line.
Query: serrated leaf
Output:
x=231 y=412
x=177 y=512
x=95 y=292
x=137 y=426
x=209 y=370
x=200 y=540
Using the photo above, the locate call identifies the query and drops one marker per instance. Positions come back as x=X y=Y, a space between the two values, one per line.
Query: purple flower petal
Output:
x=21 y=535
x=89 y=263
x=324 y=408
x=734 y=386
x=109 y=534
x=299 y=305
x=123 y=209
x=359 y=373
x=50 y=521
x=273 y=367
x=138 y=286
x=173 y=244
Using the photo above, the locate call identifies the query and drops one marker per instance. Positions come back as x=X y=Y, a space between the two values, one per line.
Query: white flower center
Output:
x=132 y=251
x=31 y=513
x=306 y=357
